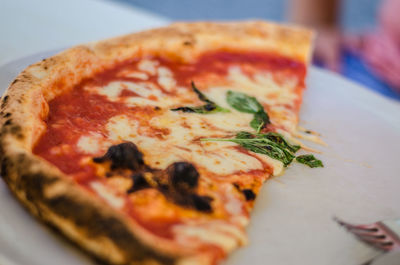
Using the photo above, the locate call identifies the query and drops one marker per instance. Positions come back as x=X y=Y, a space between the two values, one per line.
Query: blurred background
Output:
x=359 y=39
x=355 y=14
x=350 y=40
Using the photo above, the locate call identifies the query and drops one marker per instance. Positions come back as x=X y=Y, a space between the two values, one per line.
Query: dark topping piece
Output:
x=183 y=181
x=183 y=176
x=139 y=182
x=178 y=182
x=310 y=161
x=191 y=109
x=202 y=203
x=209 y=107
x=123 y=156
x=249 y=194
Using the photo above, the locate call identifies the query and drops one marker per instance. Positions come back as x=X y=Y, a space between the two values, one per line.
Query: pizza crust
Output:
x=48 y=193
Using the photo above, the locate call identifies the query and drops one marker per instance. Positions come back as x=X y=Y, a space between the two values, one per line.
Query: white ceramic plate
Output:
x=292 y=221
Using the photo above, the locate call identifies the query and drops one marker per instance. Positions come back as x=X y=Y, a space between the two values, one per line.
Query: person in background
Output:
x=372 y=58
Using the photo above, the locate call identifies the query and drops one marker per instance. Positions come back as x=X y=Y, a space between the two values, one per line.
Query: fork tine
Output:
x=383 y=246
x=368 y=228
x=375 y=235
x=370 y=237
x=380 y=242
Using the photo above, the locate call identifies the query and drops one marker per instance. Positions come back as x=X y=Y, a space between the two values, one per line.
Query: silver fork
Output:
x=383 y=235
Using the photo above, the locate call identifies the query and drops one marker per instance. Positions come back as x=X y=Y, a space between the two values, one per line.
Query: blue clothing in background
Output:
x=355 y=69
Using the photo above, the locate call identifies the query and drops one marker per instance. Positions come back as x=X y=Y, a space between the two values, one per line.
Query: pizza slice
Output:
x=151 y=148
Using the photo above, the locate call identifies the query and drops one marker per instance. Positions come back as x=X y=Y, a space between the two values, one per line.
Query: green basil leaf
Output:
x=271 y=144
x=309 y=160
x=208 y=108
x=200 y=95
x=259 y=121
x=268 y=148
x=279 y=139
x=244 y=135
x=243 y=102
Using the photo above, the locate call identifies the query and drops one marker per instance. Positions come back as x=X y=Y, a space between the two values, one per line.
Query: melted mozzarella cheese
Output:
x=91 y=144
x=107 y=194
x=148 y=66
x=166 y=79
x=264 y=87
x=185 y=234
x=114 y=89
x=138 y=75
x=121 y=128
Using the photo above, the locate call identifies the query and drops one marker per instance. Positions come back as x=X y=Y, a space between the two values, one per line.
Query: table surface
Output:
x=28 y=27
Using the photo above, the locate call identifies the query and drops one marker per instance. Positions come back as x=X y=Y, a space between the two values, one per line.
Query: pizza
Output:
x=151 y=148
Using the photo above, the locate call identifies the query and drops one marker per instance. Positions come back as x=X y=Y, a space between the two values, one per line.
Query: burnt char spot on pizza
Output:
x=202 y=203
x=16 y=129
x=4 y=167
x=178 y=182
x=139 y=182
x=183 y=175
x=34 y=184
x=249 y=194
x=9 y=127
x=123 y=156
x=5 y=100
x=8 y=122
x=183 y=181
x=190 y=200
x=187 y=43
